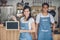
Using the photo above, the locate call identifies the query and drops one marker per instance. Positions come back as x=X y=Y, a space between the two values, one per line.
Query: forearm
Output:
x=36 y=30
x=53 y=25
x=26 y=30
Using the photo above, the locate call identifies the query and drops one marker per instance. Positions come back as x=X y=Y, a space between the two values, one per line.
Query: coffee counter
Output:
x=14 y=34
x=8 y=34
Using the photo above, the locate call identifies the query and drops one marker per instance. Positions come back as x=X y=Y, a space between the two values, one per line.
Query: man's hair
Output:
x=45 y=4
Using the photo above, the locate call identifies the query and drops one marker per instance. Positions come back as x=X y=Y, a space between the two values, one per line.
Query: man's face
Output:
x=45 y=8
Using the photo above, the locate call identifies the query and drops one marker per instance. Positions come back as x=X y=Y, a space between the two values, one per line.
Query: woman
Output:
x=27 y=24
x=44 y=20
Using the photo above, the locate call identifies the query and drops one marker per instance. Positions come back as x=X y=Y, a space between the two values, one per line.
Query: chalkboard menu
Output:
x=12 y=25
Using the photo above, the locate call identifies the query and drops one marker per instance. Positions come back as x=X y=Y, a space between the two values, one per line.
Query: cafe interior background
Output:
x=9 y=8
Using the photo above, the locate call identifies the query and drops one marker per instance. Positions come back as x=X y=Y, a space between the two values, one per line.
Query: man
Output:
x=44 y=20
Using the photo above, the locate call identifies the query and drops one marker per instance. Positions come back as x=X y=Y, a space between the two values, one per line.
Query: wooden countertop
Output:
x=14 y=34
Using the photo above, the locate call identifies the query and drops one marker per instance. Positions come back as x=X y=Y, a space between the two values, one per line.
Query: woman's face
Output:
x=26 y=12
x=45 y=8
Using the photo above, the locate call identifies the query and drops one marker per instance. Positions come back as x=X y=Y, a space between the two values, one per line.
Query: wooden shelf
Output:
x=20 y=7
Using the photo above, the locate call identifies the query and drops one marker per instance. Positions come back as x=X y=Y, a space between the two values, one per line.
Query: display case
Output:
x=5 y=12
x=19 y=10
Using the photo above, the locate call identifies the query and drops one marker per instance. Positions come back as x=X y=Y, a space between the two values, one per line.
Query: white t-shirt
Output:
x=41 y=15
x=30 y=21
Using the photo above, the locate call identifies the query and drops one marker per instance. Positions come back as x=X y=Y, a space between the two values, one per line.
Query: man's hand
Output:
x=53 y=34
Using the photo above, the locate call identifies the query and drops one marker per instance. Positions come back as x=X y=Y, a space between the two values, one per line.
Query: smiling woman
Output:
x=27 y=24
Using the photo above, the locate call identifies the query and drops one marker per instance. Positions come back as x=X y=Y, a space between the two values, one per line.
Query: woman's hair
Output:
x=45 y=4
x=27 y=7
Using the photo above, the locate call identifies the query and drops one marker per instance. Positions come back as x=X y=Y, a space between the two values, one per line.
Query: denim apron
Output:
x=25 y=35
x=44 y=30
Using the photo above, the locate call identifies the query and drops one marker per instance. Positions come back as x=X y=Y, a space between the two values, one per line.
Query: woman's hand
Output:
x=14 y=18
x=26 y=31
